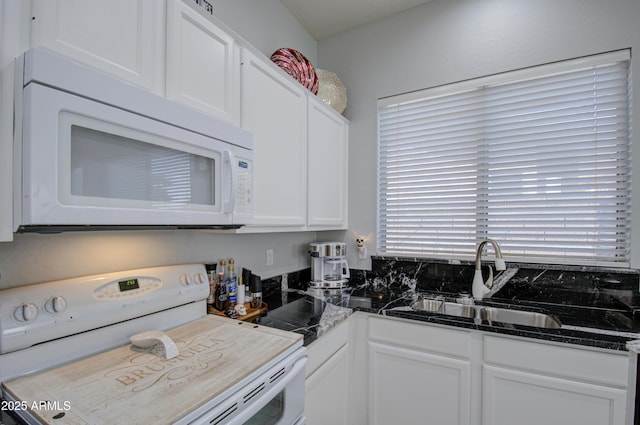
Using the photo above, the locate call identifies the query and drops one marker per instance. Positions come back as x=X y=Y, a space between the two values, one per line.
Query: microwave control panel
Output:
x=244 y=195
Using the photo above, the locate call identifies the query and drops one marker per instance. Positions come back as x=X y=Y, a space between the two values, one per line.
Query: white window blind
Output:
x=538 y=159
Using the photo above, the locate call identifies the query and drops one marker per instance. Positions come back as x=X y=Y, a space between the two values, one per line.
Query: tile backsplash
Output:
x=532 y=281
x=605 y=297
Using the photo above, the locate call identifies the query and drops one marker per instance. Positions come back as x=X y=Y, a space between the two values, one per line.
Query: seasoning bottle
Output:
x=221 y=287
x=256 y=291
x=232 y=285
x=243 y=286
x=212 y=276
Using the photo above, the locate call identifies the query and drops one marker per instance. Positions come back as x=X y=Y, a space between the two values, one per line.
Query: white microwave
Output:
x=94 y=152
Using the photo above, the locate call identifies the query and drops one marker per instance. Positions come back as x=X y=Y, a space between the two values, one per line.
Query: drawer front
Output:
x=585 y=364
x=427 y=337
x=321 y=350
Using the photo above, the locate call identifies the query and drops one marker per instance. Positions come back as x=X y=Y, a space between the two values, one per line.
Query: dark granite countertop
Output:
x=304 y=314
x=597 y=307
x=308 y=314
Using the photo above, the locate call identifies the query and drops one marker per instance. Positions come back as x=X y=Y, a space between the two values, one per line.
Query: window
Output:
x=537 y=159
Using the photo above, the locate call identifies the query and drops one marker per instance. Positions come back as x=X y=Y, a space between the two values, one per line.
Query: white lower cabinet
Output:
x=409 y=386
x=537 y=383
x=326 y=384
x=515 y=397
x=326 y=392
x=420 y=373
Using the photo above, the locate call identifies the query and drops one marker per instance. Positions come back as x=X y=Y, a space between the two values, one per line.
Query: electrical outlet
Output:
x=269 y=257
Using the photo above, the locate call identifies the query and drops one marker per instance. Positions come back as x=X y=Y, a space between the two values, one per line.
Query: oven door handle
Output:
x=246 y=414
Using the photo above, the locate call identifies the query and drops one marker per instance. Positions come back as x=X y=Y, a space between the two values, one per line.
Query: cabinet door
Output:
x=327 y=171
x=515 y=397
x=532 y=382
x=413 y=387
x=202 y=63
x=274 y=109
x=6 y=154
x=122 y=37
x=326 y=392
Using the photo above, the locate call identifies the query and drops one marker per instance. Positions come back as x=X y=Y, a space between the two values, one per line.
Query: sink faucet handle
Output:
x=489 y=282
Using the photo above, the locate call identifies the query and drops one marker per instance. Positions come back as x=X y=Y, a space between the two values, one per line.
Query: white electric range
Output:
x=66 y=355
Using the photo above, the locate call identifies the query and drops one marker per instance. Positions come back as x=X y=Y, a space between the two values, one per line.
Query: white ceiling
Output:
x=323 y=18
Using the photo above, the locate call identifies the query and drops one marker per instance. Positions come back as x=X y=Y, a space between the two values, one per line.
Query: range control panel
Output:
x=127 y=288
x=45 y=311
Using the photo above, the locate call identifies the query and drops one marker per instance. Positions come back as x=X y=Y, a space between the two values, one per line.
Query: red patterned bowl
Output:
x=298 y=66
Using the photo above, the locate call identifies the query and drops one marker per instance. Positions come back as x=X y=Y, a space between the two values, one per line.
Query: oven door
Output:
x=280 y=404
x=88 y=163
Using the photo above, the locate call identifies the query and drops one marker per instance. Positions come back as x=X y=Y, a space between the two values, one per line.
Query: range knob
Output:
x=200 y=278
x=55 y=305
x=25 y=312
x=185 y=279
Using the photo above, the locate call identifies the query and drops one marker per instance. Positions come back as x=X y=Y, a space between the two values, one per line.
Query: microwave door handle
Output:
x=230 y=201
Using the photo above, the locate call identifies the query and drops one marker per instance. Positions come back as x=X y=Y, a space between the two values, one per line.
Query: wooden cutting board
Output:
x=125 y=385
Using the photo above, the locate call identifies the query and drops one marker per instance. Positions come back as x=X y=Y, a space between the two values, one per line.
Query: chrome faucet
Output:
x=480 y=288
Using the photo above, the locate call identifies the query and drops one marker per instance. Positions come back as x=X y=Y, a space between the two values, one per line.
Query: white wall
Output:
x=452 y=40
x=36 y=258
x=267 y=25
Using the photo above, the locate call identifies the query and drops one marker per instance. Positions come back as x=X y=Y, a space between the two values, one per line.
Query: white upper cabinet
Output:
x=202 y=63
x=122 y=37
x=300 y=152
x=176 y=50
x=6 y=154
x=328 y=134
x=274 y=109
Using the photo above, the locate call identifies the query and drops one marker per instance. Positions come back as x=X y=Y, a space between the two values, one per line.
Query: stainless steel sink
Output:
x=486 y=313
x=519 y=317
x=444 y=307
